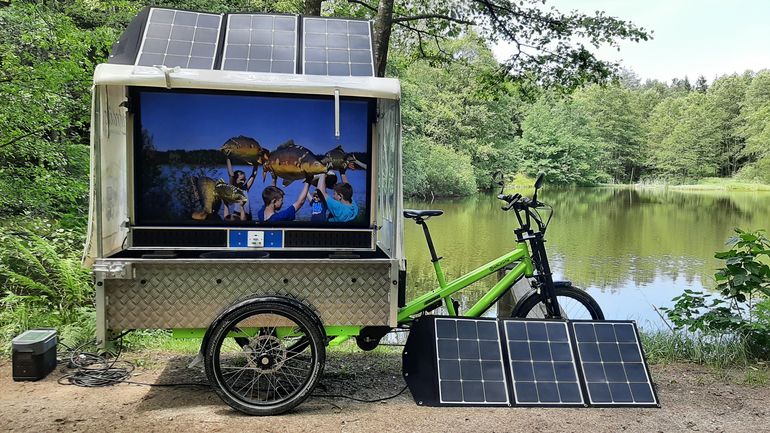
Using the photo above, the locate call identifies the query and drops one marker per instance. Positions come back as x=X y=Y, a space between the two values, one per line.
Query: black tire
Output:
x=285 y=368
x=574 y=302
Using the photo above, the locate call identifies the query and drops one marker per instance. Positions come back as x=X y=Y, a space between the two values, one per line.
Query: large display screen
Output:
x=236 y=159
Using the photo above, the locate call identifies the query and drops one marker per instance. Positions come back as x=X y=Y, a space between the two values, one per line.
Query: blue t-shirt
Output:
x=287 y=214
x=318 y=211
x=341 y=212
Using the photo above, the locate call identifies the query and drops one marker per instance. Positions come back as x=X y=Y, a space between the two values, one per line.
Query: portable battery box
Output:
x=34 y=354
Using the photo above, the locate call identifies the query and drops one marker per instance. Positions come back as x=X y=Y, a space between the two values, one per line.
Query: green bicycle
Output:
x=264 y=356
x=548 y=298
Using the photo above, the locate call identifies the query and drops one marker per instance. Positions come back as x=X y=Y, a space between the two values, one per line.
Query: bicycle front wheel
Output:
x=574 y=303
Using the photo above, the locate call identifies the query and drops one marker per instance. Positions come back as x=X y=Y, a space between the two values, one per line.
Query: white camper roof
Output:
x=176 y=78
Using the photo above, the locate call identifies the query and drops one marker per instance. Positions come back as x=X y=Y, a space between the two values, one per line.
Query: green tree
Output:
x=544 y=39
x=756 y=115
x=459 y=106
x=557 y=140
x=616 y=123
x=727 y=94
x=684 y=138
x=701 y=85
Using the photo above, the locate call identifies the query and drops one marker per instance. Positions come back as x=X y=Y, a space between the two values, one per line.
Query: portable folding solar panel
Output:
x=613 y=364
x=542 y=363
x=450 y=361
x=455 y=361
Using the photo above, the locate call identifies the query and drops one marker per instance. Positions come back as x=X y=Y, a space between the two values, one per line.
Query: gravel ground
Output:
x=693 y=399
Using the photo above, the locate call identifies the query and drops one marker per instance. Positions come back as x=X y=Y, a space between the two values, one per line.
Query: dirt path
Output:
x=693 y=400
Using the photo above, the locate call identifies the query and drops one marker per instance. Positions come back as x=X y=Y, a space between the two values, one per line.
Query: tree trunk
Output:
x=382 y=28
x=312 y=8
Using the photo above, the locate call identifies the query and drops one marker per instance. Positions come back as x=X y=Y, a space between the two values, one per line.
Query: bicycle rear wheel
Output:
x=574 y=303
x=265 y=358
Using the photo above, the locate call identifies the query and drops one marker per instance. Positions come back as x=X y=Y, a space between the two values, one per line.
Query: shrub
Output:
x=43 y=284
x=741 y=309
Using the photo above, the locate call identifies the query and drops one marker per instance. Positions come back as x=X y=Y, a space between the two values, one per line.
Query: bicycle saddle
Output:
x=421 y=214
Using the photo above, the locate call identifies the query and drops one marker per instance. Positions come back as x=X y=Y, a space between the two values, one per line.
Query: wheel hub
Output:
x=265 y=353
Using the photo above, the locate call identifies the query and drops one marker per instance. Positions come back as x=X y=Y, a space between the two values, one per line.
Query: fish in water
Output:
x=292 y=162
x=209 y=192
x=338 y=159
x=246 y=149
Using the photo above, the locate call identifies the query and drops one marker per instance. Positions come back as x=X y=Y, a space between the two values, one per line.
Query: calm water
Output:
x=631 y=249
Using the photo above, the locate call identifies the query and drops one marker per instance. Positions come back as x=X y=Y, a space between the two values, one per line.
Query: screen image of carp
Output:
x=244 y=160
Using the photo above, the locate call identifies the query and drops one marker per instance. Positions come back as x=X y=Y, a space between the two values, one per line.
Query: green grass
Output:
x=705 y=184
x=665 y=347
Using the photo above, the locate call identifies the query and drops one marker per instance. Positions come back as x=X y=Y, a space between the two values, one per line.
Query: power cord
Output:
x=377 y=400
x=93 y=370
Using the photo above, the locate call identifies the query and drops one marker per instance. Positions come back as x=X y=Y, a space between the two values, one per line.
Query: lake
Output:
x=631 y=249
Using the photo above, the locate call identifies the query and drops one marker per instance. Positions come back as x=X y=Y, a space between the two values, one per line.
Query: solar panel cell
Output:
x=361 y=70
x=159 y=31
x=492 y=371
x=358 y=28
x=570 y=392
x=543 y=371
x=185 y=18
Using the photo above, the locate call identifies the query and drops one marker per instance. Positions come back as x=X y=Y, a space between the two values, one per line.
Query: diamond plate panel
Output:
x=192 y=295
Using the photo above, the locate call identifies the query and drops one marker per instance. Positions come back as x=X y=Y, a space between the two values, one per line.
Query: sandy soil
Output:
x=693 y=399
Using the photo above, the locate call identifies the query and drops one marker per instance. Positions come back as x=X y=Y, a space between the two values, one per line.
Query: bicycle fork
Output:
x=544 y=277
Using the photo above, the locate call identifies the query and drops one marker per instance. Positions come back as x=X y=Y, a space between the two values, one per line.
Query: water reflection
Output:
x=630 y=248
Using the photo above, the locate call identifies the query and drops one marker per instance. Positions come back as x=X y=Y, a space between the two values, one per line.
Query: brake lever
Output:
x=513 y=201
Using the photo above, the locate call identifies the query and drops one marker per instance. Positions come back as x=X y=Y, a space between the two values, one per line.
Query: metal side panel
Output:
x=191 y=295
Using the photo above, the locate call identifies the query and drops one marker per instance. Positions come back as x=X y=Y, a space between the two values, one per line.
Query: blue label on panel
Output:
x=240 y=239
x=273 y=239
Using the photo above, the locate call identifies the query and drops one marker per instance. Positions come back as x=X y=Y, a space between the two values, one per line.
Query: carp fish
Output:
x=338 y=159
x=246 y=149
x=210 y=192
x=292 y=162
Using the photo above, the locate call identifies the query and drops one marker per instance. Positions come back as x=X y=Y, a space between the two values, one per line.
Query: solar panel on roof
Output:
x=179 y=38
x=612 y=364
x=541 y=363
x=470 y=362
x=337 y=47
x=261 y=43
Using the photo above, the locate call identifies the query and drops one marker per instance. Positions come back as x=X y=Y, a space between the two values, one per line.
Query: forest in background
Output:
x=464 y=116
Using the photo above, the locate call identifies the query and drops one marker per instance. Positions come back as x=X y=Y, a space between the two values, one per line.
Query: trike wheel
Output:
x=574 y=303
x=279 y=365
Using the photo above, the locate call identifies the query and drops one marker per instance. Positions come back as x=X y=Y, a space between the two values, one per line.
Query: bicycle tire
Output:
x=576 y=303
x=277 y=353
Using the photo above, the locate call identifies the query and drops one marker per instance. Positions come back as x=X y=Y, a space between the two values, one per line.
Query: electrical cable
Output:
x=377 y=400
x=93 y=370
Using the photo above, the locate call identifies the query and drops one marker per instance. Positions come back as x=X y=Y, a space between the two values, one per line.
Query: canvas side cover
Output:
x=389 y=190
x=108 y=203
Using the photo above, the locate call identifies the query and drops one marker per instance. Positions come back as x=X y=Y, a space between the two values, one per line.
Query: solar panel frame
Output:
x=554 y=368
x=258 y=52
x=597 y=371
x=467 y=369
x=181 y=39
x=316 y=63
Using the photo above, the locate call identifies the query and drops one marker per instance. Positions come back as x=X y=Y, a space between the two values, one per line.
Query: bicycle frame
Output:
x=446 y=290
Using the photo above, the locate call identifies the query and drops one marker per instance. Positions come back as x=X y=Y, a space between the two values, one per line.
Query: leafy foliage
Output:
x=742 y=308
x=42 y=280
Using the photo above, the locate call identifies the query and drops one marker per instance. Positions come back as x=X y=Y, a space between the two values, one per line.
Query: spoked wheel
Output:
x=574 y=303
x=265 y=357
